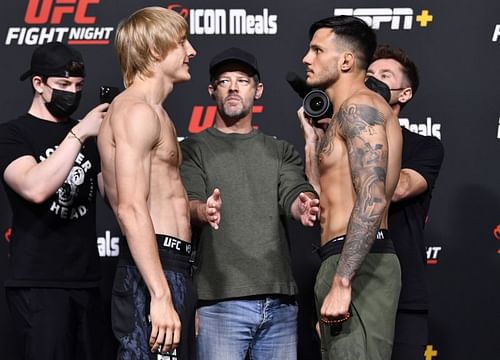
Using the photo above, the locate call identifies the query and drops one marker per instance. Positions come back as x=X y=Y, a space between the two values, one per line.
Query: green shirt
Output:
x=259 y=177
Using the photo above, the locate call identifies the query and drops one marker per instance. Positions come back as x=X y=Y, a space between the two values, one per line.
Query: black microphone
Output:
x=298 y=84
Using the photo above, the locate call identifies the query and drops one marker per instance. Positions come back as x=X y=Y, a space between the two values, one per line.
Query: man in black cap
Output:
x=241 y=184
x=50 y=168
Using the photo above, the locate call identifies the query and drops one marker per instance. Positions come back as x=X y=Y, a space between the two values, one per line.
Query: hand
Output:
x=166 y=326
x=214 y=203
x=312 y=134
x=336 y=304
x=308 y=209
x=89 y=125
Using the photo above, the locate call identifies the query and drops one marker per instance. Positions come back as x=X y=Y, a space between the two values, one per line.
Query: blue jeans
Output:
x=263 y=329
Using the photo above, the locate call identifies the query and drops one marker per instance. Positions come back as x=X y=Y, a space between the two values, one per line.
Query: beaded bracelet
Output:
x=76 y=137
x=335 y=321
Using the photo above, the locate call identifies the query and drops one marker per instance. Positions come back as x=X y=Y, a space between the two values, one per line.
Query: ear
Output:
x=211 y=91
x=347 y=61
x=405 y=95
x=37 y=83
x=155 y=54
x=259 y=89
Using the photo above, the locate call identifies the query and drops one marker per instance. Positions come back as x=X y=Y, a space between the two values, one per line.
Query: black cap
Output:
x=233 y=55
x=52 y=59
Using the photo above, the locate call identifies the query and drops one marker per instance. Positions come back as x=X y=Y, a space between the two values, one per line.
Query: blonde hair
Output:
x=147 y=36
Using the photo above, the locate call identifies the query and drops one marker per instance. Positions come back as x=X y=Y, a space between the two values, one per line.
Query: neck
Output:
x=396 y=109
x=229 y=126
x=347 y=85
x=154 y=89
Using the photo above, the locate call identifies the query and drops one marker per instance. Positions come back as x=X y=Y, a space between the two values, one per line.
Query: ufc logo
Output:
x=53 y=11
x=198 y=122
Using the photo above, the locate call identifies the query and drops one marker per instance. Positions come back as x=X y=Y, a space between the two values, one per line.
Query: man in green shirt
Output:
x=241 y=185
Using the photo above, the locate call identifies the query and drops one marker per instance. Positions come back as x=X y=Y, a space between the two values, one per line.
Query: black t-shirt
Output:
x=424 y=154
x=53 y=244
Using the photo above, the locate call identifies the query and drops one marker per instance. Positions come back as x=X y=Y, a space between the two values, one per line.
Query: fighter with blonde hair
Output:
x=153 y=297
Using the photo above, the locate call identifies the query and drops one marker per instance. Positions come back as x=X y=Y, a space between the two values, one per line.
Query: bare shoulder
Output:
x=361 y=113
x=126 y=107
x=133 y=115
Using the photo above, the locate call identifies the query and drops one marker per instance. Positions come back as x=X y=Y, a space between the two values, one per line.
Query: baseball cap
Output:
x=232 y=55
x=52 y=59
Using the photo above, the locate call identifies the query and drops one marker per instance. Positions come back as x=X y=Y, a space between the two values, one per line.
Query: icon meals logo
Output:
x=54 y=12
x=228 y=21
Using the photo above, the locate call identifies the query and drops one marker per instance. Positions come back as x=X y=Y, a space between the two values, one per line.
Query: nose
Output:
x=191 y=52
x=233 y=85
x=306 y=60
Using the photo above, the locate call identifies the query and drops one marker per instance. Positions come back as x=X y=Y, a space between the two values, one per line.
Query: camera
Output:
x=107 y=93
x=317 y=105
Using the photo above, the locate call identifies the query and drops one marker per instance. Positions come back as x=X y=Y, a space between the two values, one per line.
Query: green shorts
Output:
x=369 y=332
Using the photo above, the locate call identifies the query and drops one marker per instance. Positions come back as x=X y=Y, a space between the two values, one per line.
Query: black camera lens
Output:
x=317 y=105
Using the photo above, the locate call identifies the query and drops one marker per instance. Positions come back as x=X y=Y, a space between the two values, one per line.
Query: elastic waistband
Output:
x=171 y=243
x=382 y=244
x=174 y=253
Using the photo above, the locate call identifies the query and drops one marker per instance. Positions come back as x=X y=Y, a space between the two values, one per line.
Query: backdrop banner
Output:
x=456 y=45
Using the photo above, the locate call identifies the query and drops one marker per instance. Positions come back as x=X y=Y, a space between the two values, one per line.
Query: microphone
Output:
x=298 y=84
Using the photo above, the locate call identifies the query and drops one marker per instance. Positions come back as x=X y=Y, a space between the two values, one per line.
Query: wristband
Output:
x=76 y=137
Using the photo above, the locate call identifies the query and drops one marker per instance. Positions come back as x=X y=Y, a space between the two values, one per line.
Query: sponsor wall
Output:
x=457 y=48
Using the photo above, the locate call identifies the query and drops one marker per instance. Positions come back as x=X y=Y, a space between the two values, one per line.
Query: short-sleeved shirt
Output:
x=423 y=154
x=52 y=244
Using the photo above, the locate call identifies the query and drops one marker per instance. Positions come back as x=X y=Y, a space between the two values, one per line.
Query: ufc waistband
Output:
x=172 y=251
x=382 y=244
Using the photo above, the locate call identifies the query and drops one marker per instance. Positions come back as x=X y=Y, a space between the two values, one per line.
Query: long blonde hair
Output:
x=147 y=36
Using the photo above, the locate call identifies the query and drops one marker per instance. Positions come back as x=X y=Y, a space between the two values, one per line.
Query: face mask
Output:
x=63 y=103
x=379 y=87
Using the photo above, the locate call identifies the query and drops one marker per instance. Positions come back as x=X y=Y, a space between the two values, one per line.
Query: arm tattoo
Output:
x=360 y=125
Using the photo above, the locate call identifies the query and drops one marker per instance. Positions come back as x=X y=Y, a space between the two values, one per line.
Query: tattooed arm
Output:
x=363 y=129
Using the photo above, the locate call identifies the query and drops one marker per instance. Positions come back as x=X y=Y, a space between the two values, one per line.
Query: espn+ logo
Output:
x=397 y=18
x=55 y=12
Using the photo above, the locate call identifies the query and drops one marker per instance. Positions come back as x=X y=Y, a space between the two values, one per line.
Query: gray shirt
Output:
x=259 y=178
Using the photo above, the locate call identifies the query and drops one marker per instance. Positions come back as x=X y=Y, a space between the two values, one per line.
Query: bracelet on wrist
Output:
x=76 y=137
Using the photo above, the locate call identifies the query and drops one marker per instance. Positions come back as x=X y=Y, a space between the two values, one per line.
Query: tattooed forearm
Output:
x=363 y=129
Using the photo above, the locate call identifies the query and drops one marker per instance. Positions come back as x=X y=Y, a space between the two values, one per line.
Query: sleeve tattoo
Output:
x=363 y=128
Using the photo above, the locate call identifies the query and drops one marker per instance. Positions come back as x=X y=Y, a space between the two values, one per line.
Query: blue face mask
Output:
x=63 y=103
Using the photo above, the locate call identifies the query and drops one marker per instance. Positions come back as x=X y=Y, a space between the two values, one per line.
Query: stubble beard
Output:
x=233 y=112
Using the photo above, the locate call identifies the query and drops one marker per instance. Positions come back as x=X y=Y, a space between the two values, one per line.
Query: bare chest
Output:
x=167 y=150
